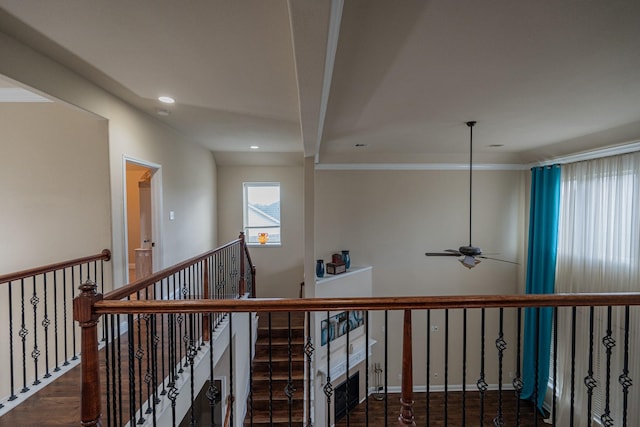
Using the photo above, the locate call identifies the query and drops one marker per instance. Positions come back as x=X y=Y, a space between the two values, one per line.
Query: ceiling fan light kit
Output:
x=468 y=255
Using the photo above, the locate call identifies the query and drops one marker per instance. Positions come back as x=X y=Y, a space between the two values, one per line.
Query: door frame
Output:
x=156 y=212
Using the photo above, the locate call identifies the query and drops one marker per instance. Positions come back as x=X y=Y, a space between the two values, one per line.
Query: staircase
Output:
x=269 y=404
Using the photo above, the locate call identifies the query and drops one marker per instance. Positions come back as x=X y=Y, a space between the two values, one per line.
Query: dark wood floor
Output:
x=455 y=415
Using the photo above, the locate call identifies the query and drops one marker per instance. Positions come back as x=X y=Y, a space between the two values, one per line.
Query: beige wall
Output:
x=54 y=184
x=389 y=219
x=188 y=171
x=279 y=269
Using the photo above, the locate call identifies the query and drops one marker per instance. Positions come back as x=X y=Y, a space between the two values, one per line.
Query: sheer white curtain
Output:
x=598 y=251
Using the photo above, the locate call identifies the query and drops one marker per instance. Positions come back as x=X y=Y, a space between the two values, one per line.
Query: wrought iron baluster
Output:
x=624 y=379
x=64 y=316
x=589 y=381
x=270 y=370
x=105 y=320
x=289 y=389
x=328 y=387
x=555 y=364
x=132 y=367
x=118 y=378
x=428 y=376
x=148 y=346
x=231 y=367
x=346 y=394
x=35 y=353
x=573 y=366
x=12 y=394
x=45 y=324
x=55 y=320
x=23 y=336
x=308 y=351
x=609 y=343
x=212 y=390
x=139 y=356
x=163 y=284
x=464 y=367
x=501 y=346
x=251 y=357
x=73 y=296
x=386 y=367
x=446 y=367
x=192 y=351
x=481 y=383
x=517 y=380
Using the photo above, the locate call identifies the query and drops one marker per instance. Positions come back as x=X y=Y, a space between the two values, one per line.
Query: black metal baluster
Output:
x=23 y=336
x=185 y=337
x=555 y=364
x=386 y=368
x=119 y=366
x=64 y=316
x=366 y=367
x=55 y=321
x=163 y=338
x=45 y=324
x=346 y=394
x=536 y=364
x=132 y=368
x=73 y=295
x=12 y=395
x=105 y=320
x=139 y=357
x=573 y=365
x=328 y=387
x=481 y=383
x=609 y=343
x=464 y=367
x=446 y=367
x=191 y=355
x=624 y=379
x=35 y=353
x=112 y=342
x=428 y=376
x=589 y=381
x=251 y=356
x=517 y=380
x=501 y=345
x=289 y=389
x=148 y=346
x=212 y=391
x=270 y=370
x=231 y=367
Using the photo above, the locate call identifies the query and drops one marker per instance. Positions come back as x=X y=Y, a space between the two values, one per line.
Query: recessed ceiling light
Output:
x=166 y=99
x=360 y=145
x=254 y=147
x=162 y=112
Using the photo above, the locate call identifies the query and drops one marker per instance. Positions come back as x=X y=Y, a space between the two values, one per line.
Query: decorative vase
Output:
x=346 y=259
x=320 y=268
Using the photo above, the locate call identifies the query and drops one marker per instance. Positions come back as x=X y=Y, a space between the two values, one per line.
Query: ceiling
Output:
x=399 y=78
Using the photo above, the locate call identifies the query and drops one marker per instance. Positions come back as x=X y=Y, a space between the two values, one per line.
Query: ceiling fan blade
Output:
x=453 y=251
x=443 y=254
x=498 y=259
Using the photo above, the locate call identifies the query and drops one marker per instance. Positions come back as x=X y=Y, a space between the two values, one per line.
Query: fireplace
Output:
x=346 y=402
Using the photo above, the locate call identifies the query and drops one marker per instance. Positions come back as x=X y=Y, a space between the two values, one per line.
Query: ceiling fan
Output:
x=468 y=254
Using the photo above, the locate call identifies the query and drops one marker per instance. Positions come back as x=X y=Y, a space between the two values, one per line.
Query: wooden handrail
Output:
x=105 y=255
x=143 y=283
x=371 y=303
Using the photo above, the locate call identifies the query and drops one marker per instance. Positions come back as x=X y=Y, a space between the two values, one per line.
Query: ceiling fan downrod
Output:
x=470 y=124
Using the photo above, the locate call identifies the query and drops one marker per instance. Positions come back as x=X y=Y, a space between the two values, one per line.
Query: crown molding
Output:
x=420 y=166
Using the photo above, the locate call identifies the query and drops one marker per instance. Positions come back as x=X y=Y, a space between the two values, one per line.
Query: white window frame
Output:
x=245 y=215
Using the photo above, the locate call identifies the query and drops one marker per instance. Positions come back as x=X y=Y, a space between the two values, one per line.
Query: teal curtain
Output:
x=541 y=272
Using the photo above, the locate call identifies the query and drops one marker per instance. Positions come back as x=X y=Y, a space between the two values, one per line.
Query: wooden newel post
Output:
x=90 y=411
x=242 y=285
x=406 y=417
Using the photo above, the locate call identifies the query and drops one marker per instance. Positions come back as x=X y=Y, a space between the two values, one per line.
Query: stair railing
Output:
x=41 y=336
x=91 y=306
x=161 y=347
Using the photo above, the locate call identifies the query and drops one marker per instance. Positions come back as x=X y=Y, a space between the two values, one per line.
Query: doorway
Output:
x=142 y=222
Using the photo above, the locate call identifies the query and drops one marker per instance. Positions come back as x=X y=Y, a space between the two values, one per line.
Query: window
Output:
x=262 y=213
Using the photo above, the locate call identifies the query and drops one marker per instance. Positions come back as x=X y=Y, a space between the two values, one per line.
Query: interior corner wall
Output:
x=389 y=219
x=188 y=170
x=279 y=270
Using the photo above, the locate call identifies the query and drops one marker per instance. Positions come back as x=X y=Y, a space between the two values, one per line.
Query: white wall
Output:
x=279 y=269
x=389 y=219
x=188 y=170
